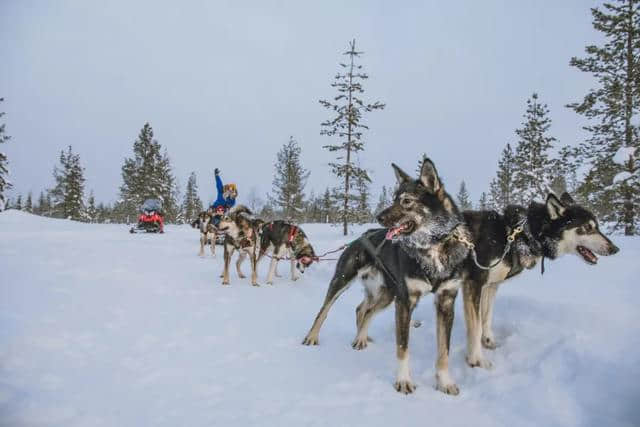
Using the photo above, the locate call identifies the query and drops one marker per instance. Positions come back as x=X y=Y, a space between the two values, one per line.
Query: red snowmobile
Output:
x=150 y=219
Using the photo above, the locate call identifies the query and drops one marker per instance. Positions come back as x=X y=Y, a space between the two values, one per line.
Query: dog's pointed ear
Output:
x=429 y=176
x=566 y=199
x=401 y=175
x=555 y=208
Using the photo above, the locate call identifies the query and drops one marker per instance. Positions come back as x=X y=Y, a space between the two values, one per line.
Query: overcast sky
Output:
x=224 y=84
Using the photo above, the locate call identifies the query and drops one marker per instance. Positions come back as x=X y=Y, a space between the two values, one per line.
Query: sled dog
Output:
x=284 y=239
x=419 y=252
x=241 y=234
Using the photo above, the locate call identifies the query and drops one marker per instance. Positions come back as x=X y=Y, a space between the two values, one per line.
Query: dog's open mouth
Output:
x=404 y=228
x=588 y=256
x=223 y=228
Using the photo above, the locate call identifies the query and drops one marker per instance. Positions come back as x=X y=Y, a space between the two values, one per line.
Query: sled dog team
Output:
x=426 y=246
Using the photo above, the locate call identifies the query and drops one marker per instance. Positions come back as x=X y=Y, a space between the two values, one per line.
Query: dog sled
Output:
x=150 y=219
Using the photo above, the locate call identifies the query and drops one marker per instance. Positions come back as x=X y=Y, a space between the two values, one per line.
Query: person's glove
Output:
x=216 y=172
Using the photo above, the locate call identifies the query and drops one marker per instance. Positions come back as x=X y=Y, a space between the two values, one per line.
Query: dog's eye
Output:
x=588 y=228
x=405 y=202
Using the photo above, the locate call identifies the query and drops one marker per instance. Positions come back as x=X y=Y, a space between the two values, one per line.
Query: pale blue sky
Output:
x=225 y=83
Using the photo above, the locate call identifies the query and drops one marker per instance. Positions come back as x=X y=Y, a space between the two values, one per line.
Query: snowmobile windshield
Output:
x=151 y=205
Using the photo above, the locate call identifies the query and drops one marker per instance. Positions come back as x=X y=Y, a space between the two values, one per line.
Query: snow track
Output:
x=102 y=328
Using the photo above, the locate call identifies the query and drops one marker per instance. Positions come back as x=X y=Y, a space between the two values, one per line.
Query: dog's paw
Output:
x=448 y=388
x=359 y=343
x=242 y=276
x=309 y=340
x=405 y=386
x=226 y=283
x=479 y=362
x=489 y=343
x=255 y=284
x=294 y=278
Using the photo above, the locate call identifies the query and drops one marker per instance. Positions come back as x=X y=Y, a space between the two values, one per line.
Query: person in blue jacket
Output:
x=225 y=200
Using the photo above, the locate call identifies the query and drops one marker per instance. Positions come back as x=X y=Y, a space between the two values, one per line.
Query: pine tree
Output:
x=28 y=205
x=612 y=151
x=384 y=201
x=348 y=127
x=147 y=175
x=92 y=211
x=464 y=203
x=533 y=168
x=254 y=201
x=18 y=204
x=4 y=164
x=363 y=212
x=328 y=207
x=502 y=186
x=289 y=180
x=483 y=203
x=68 y=192
x=191 y=205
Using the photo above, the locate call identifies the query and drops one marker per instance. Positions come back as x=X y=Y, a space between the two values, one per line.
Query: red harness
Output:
x=292 y=233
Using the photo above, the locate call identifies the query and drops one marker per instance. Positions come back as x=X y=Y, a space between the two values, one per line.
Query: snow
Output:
x=102 y=328
x=622 y=155
x=622 y=176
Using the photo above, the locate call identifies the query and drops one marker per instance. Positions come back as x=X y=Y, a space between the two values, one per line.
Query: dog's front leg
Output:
x=272 y=266
x=228 y=251
x=254 y=267
x=444 y=302
x=213 y=243
x=403 y=319
x=487 y=299
x=294 y=277
x=203 y=241
x=471 y=292
x=241 y=256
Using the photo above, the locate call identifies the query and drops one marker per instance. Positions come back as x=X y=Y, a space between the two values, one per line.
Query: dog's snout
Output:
x=613 y=249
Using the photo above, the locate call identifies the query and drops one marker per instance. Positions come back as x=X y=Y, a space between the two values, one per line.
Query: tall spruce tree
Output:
x=347 y=125
x=289 y=180
x=92 y=210
x=5 y=184
x=384 y=201
x=18 y=204
x=363 y=212
x=191 y=205
x=147 y=175
x=533 y=168
x=28 y=205
x=612 y=151
x=328 y=207
x=68 y=192
x=502 y=186
x=483 y=202
x=464 y=202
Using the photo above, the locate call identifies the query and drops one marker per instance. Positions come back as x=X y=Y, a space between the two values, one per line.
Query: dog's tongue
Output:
x=394 y=231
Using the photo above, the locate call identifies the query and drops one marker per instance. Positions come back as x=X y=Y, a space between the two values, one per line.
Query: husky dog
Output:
x=207 y=232
x=549 y=230
x=419 y=253
x=286 y=239
x=241 y=234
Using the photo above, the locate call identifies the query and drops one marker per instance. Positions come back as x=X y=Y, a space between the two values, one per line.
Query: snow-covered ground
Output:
x=102 y=328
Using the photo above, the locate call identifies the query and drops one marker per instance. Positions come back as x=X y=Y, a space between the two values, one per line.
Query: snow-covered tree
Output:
x=464 y=202
x=329 y=214
x=92 y=210
x=502 y=186
x=191 y=205
x=347 y=126
x=5 y=184
x=363 y=212
x=147 y=175
x=289 y=180
x=254 y=201
x=533 y=168
x=483 y=202
x=18 y=204
x=68 y=192
x=28 y=205
x=384 y=201
x=612 y=151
